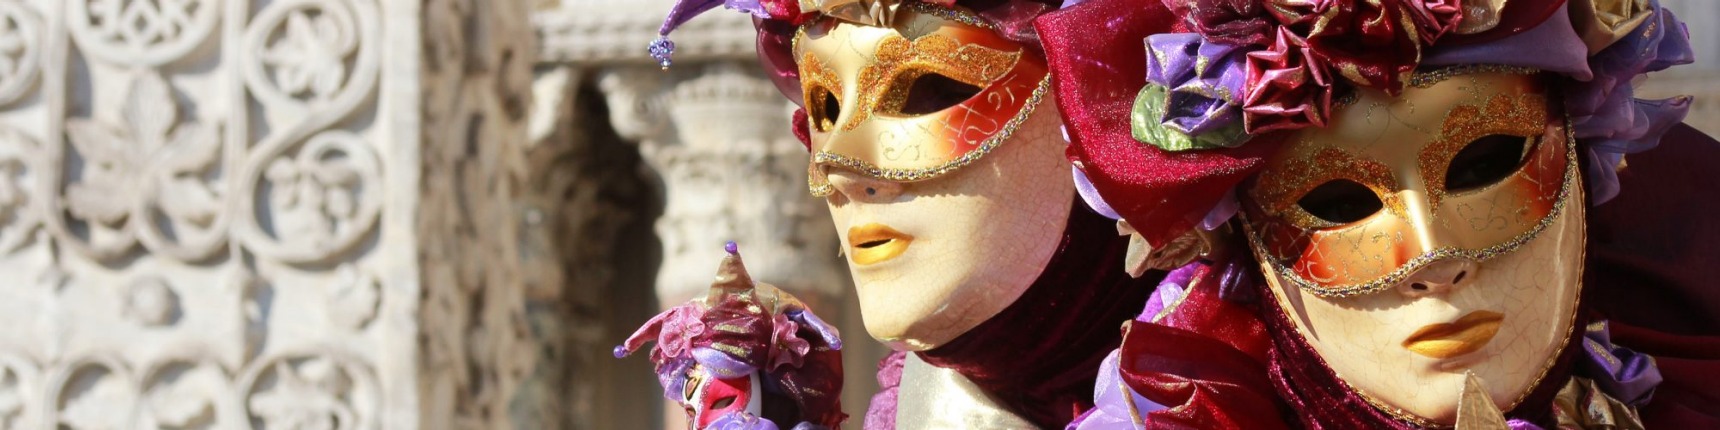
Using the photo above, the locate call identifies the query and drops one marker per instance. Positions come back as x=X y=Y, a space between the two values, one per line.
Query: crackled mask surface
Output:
x=934 y=250
x=1421 y=237
x=934 y=92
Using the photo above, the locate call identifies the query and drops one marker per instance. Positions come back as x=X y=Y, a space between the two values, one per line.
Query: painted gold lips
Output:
x=1467 y=334
x=876 y=243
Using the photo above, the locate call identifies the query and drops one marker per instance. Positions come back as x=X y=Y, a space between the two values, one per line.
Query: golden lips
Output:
x=1467 y=334
x=876 y=243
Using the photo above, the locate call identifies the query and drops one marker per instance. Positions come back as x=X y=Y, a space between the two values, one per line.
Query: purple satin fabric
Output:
x=685 y=10
x=1607 y=117
x=1090 y=196
x=1626 y=375
x=1205 y=80
x=1552 y=46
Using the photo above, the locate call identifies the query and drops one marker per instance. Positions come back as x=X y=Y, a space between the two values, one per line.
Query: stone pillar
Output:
x=717 y=135
x=286 y=213
x=714 y=136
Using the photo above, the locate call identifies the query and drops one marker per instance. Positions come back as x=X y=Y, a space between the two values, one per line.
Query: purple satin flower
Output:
x=1205 y=80
x=1608 y=119
x=741 y=421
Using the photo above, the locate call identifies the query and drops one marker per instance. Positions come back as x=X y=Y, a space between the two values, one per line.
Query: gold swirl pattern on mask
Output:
x=819 y=186
x=1521 y=115
x=1258 y=245
x=1328 y=164
x=818 y=81
x=1427 y=79
x=900 y=61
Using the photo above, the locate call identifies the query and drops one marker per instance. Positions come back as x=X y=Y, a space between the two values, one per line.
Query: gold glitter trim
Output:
x=731 y=328
x=1523 y=116
x=1172 y=306
x=732 y=350
x=898 y=62
x=1426 y=79
x=949 y=14
x=1404 y=271
x=911 y=175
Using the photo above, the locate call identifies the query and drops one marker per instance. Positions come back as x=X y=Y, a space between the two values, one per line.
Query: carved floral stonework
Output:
x=209 y=210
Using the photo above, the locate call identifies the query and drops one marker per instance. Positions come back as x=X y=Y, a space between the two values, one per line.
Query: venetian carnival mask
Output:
x=1418 y=239
x=707 y=396
x=944 y=174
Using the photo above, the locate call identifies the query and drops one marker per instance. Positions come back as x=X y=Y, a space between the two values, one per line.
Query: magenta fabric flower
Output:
x=1233 y=22
x=787 y=348
x=1287 y=88
x=1365 y=42
x=1434 y=18
x=681 y=325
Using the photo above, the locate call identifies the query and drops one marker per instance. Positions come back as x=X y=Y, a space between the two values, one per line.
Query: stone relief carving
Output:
x=210 y=206
x=147 y=165
x=20 y=50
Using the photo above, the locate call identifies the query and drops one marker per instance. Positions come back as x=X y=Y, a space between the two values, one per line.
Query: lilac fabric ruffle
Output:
x=1552 y=46
x=1090 y=195
x=1109 y=410
x=881 y=413
x=1608 y=119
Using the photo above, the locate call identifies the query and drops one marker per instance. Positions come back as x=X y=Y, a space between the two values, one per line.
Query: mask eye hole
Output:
x=823 y=107
x=932 y=92
x=1484 y=162
x=723 y=403
x=1341 y=201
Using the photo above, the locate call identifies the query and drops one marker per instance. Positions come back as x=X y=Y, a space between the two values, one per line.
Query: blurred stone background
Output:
x=393 y=214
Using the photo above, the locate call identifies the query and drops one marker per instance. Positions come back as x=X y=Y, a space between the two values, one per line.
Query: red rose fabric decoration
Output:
x=1434 y=18
x=1287 y=87
x=1232 y=22
x=1371 y=43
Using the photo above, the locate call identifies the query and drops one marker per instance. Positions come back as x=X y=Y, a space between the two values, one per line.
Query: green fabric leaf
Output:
x=1147 y=126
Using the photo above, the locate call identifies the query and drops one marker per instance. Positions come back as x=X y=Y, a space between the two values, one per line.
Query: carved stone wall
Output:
x=267 y=214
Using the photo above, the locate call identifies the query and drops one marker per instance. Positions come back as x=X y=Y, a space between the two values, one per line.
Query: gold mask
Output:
x=1475 y=169
x=911 y=102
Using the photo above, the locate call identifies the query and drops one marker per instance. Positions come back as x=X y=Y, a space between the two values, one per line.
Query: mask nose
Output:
x=1440 y=278
x=861 y=188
